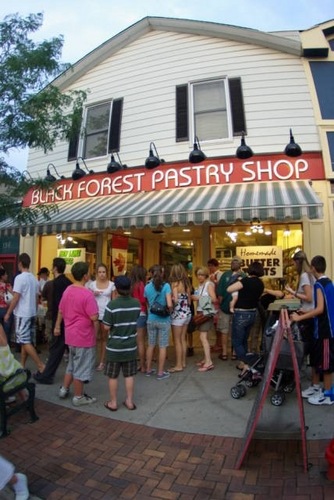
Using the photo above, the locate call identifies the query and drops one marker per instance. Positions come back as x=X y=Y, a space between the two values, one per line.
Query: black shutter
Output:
x=74 y=135
x=237 y=106
x=115 y=126
x=182 y=132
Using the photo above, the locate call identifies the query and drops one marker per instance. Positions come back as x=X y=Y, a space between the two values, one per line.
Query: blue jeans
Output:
x=242 y=323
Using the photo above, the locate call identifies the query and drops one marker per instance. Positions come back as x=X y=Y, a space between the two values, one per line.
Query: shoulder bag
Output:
x=159 y=309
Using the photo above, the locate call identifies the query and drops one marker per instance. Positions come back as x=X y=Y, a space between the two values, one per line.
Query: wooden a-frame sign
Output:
x=283 y=331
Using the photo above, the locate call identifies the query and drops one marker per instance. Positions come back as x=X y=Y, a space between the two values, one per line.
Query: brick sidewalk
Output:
x=69 y=455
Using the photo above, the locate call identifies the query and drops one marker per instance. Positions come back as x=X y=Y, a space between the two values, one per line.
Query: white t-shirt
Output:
x=102 y=295
x=306 y=279
x=28 y=287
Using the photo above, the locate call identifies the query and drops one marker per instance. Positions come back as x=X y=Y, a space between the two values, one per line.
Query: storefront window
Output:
x=273 y=245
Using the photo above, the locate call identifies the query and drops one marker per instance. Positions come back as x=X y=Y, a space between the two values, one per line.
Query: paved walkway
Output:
x=182 y=442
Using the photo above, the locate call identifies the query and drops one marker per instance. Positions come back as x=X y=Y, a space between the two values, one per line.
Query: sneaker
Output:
x=163 y=375
x=320 y=399
x=63 y=392
x=311 y=391
x=21 y=487
x=150 y=373
x=84 y=400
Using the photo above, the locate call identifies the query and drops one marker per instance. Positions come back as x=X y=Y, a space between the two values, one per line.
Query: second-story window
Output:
x=210 y=110
x=101 y=131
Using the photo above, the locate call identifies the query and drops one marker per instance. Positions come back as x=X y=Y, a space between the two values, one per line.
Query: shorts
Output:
x=25 y=330
x=81 y=363
x=158 y=332
x=224 y=322
x=181 y=321
x=142 y=321
x=113 y=368
x=207 y=326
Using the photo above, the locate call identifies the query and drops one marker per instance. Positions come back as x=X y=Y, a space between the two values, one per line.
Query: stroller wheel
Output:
x=249 y=382
x=236 y=392
x=278 y=398
x=242 y=390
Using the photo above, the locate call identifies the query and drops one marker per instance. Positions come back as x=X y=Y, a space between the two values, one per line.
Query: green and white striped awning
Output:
x=268 y=201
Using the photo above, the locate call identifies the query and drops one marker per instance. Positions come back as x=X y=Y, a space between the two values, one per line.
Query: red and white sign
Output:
x=212 y=172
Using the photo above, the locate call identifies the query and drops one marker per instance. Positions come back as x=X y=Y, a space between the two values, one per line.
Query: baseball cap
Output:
x=122 y=283
x=237 y=259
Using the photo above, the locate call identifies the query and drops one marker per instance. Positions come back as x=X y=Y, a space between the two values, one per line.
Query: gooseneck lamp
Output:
x=243 y=152
x=78 y=173
x=51 y=178
x=115 y=166
x=153 y=160
x=293 y=149
x=196 y=155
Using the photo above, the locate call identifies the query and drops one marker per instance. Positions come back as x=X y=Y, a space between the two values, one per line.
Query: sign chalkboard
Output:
x=283 y=331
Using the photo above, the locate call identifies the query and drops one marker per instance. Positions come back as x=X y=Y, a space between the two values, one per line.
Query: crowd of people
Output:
x=123 y=325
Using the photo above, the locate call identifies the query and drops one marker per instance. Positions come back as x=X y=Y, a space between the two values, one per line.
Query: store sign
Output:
x=271 y=257
x=71 y=256
x=171 y=176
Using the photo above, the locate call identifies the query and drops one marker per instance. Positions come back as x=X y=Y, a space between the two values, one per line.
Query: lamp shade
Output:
x=243 y=152
x=152 y=161
x=114 y=166
x=49 y=177
x=78 y=172
x=197 y=155
x=293 y=149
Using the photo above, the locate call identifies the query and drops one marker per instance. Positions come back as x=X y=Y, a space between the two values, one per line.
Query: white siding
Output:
x=146 y=72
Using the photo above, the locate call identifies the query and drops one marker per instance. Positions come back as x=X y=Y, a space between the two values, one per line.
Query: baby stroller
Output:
x=282 y=381
x=283 y=378
x=251 y=378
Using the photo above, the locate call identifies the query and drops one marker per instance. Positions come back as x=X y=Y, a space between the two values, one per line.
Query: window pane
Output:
x=209 y=96
x=211 y=125
x=96 y=145
x=210 y=110
x=98 y=118
x=96 y=130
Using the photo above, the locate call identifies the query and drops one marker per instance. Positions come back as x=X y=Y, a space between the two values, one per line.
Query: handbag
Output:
x=159 y=309
x=8 y=297
x=201 y=318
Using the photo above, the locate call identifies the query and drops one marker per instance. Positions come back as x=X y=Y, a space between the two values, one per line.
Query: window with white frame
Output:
x=96 y=130
x=101 y=131
x=210 y=110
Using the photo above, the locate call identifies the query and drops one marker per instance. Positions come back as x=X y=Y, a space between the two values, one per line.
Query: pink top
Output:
x=77 y=306
x=138 y=293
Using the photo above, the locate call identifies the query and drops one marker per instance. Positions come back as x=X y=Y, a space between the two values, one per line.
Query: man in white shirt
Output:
x=24 y=306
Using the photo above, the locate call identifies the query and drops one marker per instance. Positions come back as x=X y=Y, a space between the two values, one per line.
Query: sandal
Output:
x=106 y=405
x=200 y=363
x=233 y=357
x=223 y=357
x=100 y=368
x=175 y=370
x=206 y=368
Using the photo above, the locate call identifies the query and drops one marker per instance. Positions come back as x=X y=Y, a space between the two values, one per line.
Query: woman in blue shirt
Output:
x=158 y=327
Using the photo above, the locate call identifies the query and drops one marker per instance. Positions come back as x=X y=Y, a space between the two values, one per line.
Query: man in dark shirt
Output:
x=57 y=346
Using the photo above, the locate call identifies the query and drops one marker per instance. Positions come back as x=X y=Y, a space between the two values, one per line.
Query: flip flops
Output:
x=106 y=405
x=134 y=407
x=206 y=368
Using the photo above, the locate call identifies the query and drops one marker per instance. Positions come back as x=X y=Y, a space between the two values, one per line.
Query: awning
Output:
x=268 y=201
